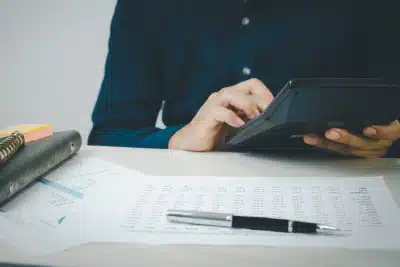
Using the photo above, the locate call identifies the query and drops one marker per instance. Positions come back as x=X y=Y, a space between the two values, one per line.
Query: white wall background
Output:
x=52 y=56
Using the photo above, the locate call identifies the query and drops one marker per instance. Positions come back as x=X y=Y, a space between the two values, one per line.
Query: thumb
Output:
x=386 y=132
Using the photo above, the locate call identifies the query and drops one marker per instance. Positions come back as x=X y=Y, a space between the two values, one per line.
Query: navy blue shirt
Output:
x=180 y=51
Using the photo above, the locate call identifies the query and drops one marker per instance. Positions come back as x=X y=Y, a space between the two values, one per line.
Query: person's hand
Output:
x=223 y=111
x=380 y=138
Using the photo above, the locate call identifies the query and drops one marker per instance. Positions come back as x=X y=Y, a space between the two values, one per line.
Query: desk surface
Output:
x=168 y=162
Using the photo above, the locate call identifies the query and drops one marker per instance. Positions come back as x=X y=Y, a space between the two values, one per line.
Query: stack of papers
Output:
x=89 y=200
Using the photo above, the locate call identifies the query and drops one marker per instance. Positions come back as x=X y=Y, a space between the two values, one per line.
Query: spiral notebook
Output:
x=10 y=145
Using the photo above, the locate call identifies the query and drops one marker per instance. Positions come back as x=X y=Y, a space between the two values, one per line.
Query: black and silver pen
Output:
x=245 y=222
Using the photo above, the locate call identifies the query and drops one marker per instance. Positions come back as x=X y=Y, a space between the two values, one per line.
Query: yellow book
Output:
x=31 y=132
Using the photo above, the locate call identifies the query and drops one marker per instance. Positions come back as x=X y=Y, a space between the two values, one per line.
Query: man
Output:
x=213 y=61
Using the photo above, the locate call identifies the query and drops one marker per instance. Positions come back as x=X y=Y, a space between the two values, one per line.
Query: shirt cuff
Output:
x=394 y=150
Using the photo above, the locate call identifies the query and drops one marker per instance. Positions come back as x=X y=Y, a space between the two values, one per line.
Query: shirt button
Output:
x=245 y=21
x=246 y=71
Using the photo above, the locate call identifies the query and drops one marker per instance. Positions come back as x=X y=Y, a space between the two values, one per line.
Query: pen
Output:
x=245 y=222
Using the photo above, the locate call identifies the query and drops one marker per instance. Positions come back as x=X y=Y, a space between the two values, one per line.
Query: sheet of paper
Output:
x=42 y=208
x=122 y=207
x=363 y=207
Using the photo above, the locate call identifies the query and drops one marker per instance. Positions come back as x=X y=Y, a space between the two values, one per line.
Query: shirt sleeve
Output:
x=394 y=150
x=131 y=92
x=383 y=43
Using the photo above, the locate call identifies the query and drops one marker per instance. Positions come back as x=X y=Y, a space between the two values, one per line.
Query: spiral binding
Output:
x=11 y=145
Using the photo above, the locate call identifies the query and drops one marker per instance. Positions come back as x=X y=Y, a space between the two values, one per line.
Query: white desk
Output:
x=166 y=162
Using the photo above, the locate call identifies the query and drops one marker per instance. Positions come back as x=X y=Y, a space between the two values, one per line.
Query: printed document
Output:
x=89 y=200
x=361 y=206
x=32 y=218
x=49 y=200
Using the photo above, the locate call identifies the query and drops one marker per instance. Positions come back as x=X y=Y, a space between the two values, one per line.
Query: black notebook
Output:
x=34 y=160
